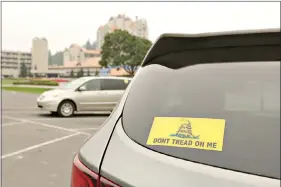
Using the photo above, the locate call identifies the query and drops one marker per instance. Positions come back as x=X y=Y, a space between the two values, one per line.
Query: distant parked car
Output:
x=84 y=94
x=202 y=111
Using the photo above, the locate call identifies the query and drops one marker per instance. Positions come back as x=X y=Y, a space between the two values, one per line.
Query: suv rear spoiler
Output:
x=179 y=50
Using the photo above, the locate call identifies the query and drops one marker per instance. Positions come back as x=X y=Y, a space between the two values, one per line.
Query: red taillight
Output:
x=106 y=183
x=83 y=177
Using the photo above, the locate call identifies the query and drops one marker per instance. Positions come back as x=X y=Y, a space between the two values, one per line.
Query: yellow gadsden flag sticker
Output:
x=198 y=133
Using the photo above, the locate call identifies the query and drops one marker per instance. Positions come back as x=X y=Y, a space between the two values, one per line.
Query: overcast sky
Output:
x=64 y=23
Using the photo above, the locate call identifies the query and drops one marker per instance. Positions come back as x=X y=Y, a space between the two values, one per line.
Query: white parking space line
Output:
x=38 y=145
x=21 y=111
x=61 y=119
x=17 y=107
x=84 y=129
x=39 y=119
x=12 y=123
x=46 y=125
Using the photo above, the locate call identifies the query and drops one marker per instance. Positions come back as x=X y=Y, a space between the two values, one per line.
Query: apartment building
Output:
x=39 y=56
x=141 y=28
x=138 y=27
x=76 y=58
x=11 y=62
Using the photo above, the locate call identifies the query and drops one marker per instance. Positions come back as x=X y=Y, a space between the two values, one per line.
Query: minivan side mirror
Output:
x=82 y=88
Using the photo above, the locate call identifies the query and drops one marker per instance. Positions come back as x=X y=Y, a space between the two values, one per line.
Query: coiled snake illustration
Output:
x=185 y=131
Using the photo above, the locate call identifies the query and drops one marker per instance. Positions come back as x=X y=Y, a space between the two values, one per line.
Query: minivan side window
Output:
x=114 y=84
x=92 y=85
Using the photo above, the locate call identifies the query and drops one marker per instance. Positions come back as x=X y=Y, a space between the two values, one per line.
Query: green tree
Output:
x=94 y=45
x=122 y=49
x=88 y=73
x=49 y=58
x=23 y=70
x=80 y=73
x=97 y=73
x=88 y=45
x=29 y=74
x=57 y=58
x=71 y=73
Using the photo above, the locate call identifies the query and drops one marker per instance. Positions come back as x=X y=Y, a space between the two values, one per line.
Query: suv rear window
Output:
x=246 y=95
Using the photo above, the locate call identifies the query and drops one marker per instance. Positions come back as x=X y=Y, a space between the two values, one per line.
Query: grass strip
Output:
x=26 y=89
x=10 y=81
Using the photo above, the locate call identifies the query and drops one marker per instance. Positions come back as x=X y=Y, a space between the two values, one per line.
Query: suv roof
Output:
x=183 y=46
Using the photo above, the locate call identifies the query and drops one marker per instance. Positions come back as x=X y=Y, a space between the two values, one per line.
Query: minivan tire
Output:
x=66 y=109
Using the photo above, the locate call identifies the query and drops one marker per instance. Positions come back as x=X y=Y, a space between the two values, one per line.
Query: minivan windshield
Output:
x=74 y=84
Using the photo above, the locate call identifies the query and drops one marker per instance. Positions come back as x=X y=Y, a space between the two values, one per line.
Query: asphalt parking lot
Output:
x=37 y=149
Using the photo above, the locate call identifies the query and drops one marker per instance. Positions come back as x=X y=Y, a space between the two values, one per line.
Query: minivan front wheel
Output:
x=66 y=109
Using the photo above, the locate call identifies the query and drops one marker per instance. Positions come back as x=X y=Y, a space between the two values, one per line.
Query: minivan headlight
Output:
x=55 y=95
x=47 y=97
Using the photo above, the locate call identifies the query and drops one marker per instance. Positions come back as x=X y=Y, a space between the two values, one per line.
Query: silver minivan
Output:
x=84 y=94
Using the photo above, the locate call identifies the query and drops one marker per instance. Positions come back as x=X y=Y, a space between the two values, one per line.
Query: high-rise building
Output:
x=138 y=27
x=141 y=28
x=11 y=62
x=39 y=56
x=77 y=58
